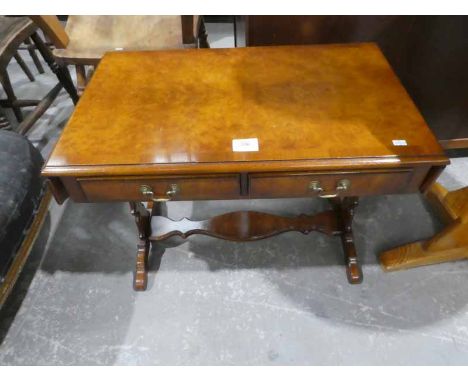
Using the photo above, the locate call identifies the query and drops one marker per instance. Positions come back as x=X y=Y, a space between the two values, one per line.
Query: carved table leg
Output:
x=142 y=219
x=140 y=279
x=345 y=213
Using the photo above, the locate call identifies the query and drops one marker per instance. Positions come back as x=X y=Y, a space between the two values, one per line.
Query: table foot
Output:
x=353 y=268
x=142 y=220
x=344 y=209
x=140 y=280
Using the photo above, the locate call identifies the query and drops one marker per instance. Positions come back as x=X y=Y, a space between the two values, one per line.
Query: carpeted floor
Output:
x=280 y=301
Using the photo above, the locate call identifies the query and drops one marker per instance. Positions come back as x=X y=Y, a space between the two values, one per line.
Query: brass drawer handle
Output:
x=342 y=185
x=148 y=192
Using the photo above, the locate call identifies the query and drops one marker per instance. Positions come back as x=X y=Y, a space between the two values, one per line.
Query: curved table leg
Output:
x=140 y=280
x=142 y=220
x=345 y=211
x=353 y=268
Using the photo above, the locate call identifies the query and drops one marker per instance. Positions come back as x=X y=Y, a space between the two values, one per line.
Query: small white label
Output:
x=399 y=142
x=118 y=48
x=249 y=144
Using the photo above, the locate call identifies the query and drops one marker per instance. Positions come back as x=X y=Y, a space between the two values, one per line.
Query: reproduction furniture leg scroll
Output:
x=141 y=270
x=142 y=220
x=345 y=211
x=450 y=244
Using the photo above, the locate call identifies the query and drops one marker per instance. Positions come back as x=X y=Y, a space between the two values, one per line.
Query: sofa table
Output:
x=249 y=123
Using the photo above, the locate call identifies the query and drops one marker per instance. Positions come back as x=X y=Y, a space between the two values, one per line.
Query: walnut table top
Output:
x=308 y=105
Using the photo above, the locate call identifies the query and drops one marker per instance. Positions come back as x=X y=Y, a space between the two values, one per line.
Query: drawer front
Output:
x=173 y=188
x=328 y=184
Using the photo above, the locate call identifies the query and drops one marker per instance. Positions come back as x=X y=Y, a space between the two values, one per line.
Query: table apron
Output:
x=245 y=185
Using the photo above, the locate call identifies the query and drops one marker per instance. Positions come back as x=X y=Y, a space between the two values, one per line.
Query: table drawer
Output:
x=275 y=185
x=173 y=188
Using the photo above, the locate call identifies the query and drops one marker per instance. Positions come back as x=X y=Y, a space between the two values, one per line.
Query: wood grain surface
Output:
x=335 y=106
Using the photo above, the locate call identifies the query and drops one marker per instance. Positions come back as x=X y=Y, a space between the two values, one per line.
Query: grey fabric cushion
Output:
x=21 y=189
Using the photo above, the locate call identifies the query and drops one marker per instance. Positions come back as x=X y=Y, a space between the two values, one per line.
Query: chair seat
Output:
x=92 y=36
x=13 y=31
x=21 y=189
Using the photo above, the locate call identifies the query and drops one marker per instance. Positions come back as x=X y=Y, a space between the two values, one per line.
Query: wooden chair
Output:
x=24 y=204
x=448 y=245
x=31 y=48
x=14 y=31
x=9 y=27
x=85 y=39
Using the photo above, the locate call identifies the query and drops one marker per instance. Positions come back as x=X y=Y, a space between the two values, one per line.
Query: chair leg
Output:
x=4 y=122
x=202 y=35
x=32 y=52
x=41 y=108
x=23 y=66
x=80 y=78
x=60 y=71
x=5 y=80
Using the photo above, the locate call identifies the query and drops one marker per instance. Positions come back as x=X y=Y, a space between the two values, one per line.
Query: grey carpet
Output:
x=284 y=300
